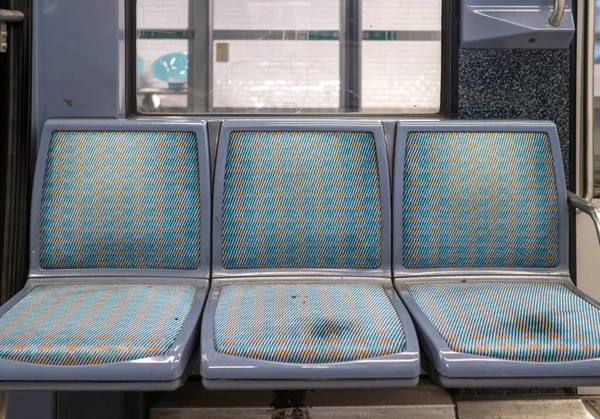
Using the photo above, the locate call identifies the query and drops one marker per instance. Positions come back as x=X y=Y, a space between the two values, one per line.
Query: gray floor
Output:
x=425 y=401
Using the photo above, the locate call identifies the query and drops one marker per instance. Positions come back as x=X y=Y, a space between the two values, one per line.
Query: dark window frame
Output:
x=200 y=44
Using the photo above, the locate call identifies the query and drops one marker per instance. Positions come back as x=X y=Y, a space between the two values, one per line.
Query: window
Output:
x=297 y=56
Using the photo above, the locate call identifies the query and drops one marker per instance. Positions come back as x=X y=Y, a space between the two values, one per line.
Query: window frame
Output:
x=201 y=37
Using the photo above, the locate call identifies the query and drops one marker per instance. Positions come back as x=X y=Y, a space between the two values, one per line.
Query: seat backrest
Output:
x=301 y=198
x=121 y=198
x=479 y=197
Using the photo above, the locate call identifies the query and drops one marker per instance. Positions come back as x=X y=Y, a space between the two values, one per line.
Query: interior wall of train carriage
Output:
x=525 y=84
x=487 y=83
x=534 y=84
x=494 y=83
x=521 y=84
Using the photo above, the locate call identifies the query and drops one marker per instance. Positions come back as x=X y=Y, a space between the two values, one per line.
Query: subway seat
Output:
x=306 y=323
x=301 y=295
x=88 y=324
x=531 y=321
x=119 y=265
x=481 y=256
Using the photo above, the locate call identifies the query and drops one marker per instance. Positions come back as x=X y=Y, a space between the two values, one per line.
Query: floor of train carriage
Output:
x=427 y=400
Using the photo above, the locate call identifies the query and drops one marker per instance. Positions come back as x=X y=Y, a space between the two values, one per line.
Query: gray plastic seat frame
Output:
x=165 y=372
x=456 y=369
x=220 y=371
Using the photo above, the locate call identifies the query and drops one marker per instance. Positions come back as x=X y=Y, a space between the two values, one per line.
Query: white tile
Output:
x=162 y=14
x=397 y=76
x=403 y=76
x=402 y=15
x=276 y=14
x=278 y=74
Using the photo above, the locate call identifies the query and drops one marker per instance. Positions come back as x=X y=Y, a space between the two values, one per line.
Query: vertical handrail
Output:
x=557 y=13
x=350 y=55
x=200 y=47
x=585 y=101
x=588 y=91
x=589 y=102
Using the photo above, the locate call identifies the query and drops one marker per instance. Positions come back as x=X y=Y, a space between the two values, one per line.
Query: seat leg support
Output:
x=30 y=404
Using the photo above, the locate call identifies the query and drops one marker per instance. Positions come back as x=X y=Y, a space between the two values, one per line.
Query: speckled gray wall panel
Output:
x=522 y=84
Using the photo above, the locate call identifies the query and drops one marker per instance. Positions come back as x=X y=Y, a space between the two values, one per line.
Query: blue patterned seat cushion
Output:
x=479 y=199
x=301 y=200
x=116 y=199
x=304 y=323
x=519 y=321
x=85 y=324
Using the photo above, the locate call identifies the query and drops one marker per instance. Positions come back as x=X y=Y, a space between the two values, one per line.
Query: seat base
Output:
x=306 y=384
x=460 y=369
x=164 y=372
x=505 y=382
x=94 y=385
x=225 y=371
x=53 y=385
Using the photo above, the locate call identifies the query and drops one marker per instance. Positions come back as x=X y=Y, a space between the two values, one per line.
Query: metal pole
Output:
x=200 y=56
x=350 y=55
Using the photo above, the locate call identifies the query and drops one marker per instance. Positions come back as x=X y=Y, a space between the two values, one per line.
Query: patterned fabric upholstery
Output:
x=520 y=321
x=479 y=199
x=303 y=323
x=86 y=324
x=115 y=199
x=301 y=200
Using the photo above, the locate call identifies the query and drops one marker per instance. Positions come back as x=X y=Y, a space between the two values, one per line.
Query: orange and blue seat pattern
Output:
x=479 y=200
x=121 y=199
x=302 y=323
x=519 y=321
x=301 y=200
x=87 y=324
